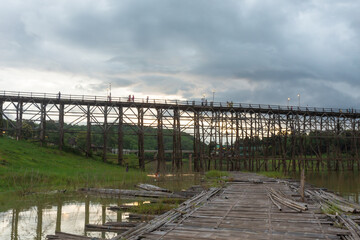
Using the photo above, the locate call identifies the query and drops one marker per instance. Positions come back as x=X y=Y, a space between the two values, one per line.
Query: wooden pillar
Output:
x=141 y=153
x=221 y=151
x=87 y=212
x=61 y=126
x=88 y=132
x=39 y=223
x=14 y=224
x=215 y=140
x=19 y=114
x=237 y=143
x=212 y=142
x=177 y=153
x=120 y=137
x=160 y=143
x=202 y=142
x=43 y=123
x=103 y=219
x=196 y=142
x=105 y=131
x=1 y=118
x=58 y=217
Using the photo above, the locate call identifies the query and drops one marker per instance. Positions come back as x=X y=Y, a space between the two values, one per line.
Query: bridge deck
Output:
x=179 y=104
x=244 y=211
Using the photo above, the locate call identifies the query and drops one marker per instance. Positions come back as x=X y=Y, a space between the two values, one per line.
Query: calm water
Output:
x=38 y=221
x=43 y=216
x=347 y=184
x=31 y=218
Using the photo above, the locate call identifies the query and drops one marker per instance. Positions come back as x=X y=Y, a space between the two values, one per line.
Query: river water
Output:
x=69 y=213
x=345 y=183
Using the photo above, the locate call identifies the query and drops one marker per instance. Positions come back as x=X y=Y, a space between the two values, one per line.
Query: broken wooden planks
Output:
x=68 y=236
x=133 y=193
x=244 y=211
x=149 y=187
x=187 y=206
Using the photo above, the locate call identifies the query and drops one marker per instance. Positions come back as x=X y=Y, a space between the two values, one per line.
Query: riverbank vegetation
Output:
x=26 y=167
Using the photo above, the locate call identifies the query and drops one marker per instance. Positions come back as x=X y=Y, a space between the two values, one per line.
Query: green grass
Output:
x=26 y=167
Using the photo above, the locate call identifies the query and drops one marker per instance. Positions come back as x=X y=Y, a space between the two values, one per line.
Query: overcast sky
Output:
x=246 y=51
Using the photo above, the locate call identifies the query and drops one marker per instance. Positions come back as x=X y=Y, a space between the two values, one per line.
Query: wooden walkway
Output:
x=243 y=210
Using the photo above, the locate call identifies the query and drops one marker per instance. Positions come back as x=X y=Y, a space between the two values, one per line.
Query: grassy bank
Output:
x=26 y=167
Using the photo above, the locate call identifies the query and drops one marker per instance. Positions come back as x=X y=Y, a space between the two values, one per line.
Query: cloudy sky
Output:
x=246 y=51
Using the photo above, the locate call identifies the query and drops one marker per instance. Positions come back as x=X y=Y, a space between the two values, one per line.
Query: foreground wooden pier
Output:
x=243 y=210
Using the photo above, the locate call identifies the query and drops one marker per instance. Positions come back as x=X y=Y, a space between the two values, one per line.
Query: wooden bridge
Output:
x=231 y=136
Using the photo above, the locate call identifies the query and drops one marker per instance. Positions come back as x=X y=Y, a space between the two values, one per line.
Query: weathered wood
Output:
x=120 y=137
x=19 y=116
x=149 y=187
x=68 y=236
x=141 y=149
x=43 y=123
x=61 y=126
x=161 y=164
x=135 y=193
x=88 y=132
x=104 y=228
x=1 y=118
x=105 y=134
x=242 y=211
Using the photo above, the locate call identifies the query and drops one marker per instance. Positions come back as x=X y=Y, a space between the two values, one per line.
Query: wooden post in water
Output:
x=61 y=126
x=141 y=153
x=120 y=137
x=87 y=212
x=103 y=219
x=19 y=114
x=58 y=217
x=39 y=223
x=105 y=131
x=43 y=123
x=88 y=132
x=160 y=143
x=14 y=224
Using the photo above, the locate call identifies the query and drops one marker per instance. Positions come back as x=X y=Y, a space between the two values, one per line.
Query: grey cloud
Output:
x=283 y=46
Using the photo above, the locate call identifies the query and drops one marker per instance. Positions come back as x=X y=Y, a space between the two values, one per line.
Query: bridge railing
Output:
x=171 y=102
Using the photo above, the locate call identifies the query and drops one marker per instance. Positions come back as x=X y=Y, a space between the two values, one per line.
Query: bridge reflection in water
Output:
x=39 y=221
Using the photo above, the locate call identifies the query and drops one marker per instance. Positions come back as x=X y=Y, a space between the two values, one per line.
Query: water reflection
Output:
x=38 y=221
x=347 y=184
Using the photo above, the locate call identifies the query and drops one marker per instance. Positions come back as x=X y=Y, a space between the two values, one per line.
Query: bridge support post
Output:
x=43 y=123
x=19 y=115
x=160 y=143
x=196 y=142
x=88 y=132
x=237 y=143
x=61 y=126
x=105 y=131
x=141 y=153
x=177 y=154
x=120 y=137
x=202 y=143
x=1 y=119
x=221 y=150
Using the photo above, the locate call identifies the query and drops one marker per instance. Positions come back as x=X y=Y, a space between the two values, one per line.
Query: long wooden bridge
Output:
x=231 y=136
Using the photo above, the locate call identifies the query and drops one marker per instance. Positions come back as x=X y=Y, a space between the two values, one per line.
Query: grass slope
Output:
x=27 y=167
